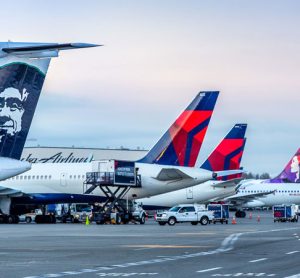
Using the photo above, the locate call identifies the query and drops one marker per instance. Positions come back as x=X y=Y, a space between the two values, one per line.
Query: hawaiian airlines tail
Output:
x=23 y=67
x=228 y=154
x=181 y=144
x=290 y=173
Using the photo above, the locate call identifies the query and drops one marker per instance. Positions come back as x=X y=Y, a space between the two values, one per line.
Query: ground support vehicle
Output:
x=77 y=213
x=192 y=213
x=221 y=213
x=115 y=178
x=285 y=213
x=123 y=212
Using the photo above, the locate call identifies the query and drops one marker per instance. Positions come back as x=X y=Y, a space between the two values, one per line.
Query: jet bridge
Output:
x=114 y=178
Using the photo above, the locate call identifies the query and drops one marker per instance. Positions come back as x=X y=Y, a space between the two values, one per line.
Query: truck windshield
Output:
x=83 y=208
x=174 y=208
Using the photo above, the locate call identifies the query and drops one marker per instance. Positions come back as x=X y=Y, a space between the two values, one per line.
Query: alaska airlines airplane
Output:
x=168 y=166
x=21 y=82
x=226 y=156
x=283 y=189
x=23 y=67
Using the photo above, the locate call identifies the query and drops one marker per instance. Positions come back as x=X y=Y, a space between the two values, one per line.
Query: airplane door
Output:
x=189 y=193
x=63 y=179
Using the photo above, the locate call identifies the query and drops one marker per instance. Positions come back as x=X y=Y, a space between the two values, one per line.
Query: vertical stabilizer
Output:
x=181 y=144
x=290 y=173
x=228 y=154
x=23 y=67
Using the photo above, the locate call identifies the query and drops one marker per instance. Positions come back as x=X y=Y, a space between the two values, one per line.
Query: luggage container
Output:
x=221 y=213
x=285 y=213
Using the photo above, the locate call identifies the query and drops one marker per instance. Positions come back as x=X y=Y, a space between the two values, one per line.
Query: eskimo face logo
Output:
x=12 y=109
x=295 y=166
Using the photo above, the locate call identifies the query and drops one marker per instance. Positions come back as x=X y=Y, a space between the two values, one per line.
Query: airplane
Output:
x=166 y=167
x=23 y=67
x=20 y=86
x=283 y=189
x=226 y=156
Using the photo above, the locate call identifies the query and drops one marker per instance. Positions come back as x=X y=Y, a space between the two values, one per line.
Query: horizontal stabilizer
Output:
x=169 y=174
x=219 y=174
x=39 y=50
x=229 y=183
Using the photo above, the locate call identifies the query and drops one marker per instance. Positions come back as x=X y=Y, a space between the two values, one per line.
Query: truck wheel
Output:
x=10 y=219
x=194 y=223
x=28 y=219
x=162 y=223
x=204 y=220
x=172 y=221
x=143 y=219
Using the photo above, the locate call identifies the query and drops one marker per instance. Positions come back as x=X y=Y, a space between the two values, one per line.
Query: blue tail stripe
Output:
x=190 y=138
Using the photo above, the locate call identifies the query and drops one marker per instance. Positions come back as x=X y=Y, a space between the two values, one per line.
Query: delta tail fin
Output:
x=228 y=154
x=23 y=67
x=290 y=173
x=181 y=144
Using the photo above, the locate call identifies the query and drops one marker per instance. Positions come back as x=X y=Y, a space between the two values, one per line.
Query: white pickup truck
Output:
x=185 y=213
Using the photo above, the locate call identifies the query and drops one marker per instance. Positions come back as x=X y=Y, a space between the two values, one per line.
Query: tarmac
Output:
x=247 y=249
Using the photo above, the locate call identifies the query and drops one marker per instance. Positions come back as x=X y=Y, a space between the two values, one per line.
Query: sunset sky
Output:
x=157 y=56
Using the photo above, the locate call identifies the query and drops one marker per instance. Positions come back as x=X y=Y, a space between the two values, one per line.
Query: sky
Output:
x=157 y=56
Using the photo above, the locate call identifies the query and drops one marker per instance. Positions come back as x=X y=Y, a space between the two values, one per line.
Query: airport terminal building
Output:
x=76 y=155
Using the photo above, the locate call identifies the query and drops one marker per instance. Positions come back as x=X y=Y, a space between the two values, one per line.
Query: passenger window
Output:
x=25 y=177
x=49 y=177
x=33 y=177
x=37 y=177
x=21 y=177
x=29 y=177
x=17 y=177
x=70 y=176
x=46 y=177
x=42 y=177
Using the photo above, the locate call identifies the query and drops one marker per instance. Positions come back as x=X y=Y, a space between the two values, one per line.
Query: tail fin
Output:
x=181 y=144
x=228 y=154
x=23 y=67
x=290 y=174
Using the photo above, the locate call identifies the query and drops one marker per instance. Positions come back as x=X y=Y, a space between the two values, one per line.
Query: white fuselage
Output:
x=284 y=193
x=200 y=193
x=68 y=178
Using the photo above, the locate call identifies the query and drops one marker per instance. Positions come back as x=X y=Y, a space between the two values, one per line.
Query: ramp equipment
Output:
x=114 y=178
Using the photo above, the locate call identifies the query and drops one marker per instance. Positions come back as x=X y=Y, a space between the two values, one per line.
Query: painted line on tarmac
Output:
x=293 y=276
x=159 y=246
x=292 y=252
x=209 y=269
x=258 y=260
x=227 y=245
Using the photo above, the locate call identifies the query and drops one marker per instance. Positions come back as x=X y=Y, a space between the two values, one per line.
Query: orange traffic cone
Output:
x=233 y=220
x=250 y=215
x=258 y=218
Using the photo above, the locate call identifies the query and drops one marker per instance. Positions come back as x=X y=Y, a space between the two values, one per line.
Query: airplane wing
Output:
x=9 y=192
x=170 y=174
x=240 y=199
